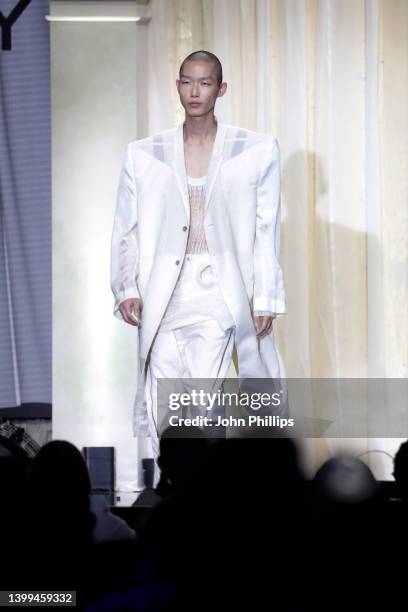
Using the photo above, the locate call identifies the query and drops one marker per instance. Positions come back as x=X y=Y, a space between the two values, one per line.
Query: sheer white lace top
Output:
x=196 y=242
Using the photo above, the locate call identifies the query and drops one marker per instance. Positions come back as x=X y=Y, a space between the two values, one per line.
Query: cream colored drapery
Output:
x=330 y=79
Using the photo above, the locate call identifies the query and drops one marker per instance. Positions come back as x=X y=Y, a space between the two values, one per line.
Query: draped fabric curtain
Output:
x=25 y=213
x=329 y=78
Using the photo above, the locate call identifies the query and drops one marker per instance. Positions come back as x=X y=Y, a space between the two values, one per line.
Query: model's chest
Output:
x=197 y=159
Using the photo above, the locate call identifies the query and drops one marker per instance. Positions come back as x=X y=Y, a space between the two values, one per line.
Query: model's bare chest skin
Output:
x=197 y=158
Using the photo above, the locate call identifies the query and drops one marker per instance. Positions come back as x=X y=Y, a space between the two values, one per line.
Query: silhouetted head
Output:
x=59 y=494
x=345 y=479
x=400 y=472
x=59 y=472
x=182 y=452
x=260 y=461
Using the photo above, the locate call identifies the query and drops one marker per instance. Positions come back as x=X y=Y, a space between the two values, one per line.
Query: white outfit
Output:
x=241 y=221
x=195 y=338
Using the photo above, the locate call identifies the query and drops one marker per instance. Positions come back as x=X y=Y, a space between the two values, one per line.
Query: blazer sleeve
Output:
x=269 y=290
x=124 y=242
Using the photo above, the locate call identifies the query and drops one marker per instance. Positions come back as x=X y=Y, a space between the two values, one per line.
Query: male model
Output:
x=195 y=246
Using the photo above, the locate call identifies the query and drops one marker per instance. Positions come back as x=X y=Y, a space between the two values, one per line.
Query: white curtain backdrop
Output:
x=329 y=78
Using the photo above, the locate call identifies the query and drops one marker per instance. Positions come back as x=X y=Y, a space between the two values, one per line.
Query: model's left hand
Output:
x=263 y=325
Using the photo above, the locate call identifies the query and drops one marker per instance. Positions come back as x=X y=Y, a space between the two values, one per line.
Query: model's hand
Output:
x=131 y=311
x=263 y=325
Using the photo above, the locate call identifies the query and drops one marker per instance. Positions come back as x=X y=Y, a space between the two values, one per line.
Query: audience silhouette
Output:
x=235 y=523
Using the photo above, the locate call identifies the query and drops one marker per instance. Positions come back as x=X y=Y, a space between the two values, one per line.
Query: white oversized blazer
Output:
x=242 y=229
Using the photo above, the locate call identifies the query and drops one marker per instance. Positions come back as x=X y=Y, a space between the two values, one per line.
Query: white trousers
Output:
x=198 y=350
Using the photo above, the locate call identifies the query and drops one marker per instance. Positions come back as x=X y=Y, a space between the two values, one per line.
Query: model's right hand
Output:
x=131 y=311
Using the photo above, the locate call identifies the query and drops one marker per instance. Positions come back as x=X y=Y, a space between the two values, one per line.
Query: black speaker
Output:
x=148 y=472
x=101 y=465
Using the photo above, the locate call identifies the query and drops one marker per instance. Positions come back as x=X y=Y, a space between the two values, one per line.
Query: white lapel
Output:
x=179 y=163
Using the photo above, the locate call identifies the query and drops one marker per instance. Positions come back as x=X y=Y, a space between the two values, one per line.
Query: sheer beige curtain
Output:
x=330 y=79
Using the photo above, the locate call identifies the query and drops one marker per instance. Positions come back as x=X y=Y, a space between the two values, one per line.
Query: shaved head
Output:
x=204 y=56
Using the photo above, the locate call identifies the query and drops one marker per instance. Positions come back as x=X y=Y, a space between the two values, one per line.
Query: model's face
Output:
x=198 y=84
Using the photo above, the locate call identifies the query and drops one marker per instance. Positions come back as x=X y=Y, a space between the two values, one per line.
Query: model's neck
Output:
x=200 y=129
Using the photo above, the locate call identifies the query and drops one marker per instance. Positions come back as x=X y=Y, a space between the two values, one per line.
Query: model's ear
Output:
x=222 y=89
